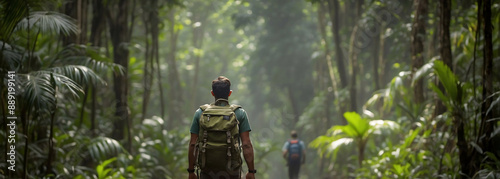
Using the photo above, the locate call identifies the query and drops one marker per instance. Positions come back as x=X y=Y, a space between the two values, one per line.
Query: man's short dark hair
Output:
x=221 y=87
x=293 y=134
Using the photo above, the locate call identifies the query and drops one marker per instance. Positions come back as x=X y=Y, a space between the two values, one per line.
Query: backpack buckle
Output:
x=228 y=134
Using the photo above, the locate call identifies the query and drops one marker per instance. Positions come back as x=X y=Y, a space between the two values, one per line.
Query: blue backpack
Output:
x=294 y=151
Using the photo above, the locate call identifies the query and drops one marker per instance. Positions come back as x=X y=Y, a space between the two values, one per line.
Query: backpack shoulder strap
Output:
x=204 y=107
x=234 y=107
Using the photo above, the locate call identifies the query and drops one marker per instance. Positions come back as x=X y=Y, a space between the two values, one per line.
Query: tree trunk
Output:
x=96 y=29
x=174 y=88
x=147 y=78
x=71 y=9
x=333 y=9
x=417 y=48
x=445 y=47
x=155 y=35
x=487 y=83
x=51 y=156
x=353 y=55
x=148 y=72
x=329 y=88
x=376 y=51
x=77 y=9
x=84 y=103
x=119 y=32
x=197 y=44
x=354 y=69
x=361 y=152
x=381 y=54
x=93 y=112
x=463 y=150
x=98 y=23
x=327 y=57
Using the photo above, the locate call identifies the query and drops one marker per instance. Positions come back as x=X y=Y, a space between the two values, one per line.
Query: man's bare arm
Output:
x=247 y=149
x=191 y=154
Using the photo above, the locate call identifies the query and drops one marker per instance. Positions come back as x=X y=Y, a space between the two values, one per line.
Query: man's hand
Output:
x=250 y=176
x=192 y=176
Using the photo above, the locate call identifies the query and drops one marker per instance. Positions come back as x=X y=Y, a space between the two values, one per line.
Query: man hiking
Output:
x=294 y=152
x=216 y=131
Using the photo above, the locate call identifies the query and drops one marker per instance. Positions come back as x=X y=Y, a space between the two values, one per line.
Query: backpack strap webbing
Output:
x=205 y=106
x=229 y=144
x=203 y=154
x=235 y=107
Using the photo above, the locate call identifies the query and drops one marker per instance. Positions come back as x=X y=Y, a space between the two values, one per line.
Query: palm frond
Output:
x=78 y=73
x=322 y=144
x=448 y=79
x=49 y=22
x=103 y=148
x=12 y=13
x=87 y=56
x=11 y=56
x=38 y=91
x=62 y=81
x=423 y=71
x=333 y=148
x=381 y=126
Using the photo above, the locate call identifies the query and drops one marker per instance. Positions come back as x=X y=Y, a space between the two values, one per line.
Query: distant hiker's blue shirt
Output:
x=287 y=143
x=241 y=115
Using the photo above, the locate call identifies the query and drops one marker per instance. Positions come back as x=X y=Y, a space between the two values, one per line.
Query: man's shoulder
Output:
x=198 y=111
x=238 y=108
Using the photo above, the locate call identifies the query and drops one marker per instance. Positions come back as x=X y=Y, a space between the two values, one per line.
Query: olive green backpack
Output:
x=218 y=141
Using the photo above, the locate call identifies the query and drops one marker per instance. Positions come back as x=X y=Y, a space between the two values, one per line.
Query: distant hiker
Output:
x=215 y=137
x=294 y=152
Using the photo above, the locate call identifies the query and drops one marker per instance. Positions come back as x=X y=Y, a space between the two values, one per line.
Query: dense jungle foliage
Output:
x=376 y=88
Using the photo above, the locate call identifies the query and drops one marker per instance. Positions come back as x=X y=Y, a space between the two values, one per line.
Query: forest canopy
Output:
x=375 y=88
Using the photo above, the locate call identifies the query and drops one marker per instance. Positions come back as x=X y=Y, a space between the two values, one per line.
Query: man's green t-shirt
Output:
x=240 y=113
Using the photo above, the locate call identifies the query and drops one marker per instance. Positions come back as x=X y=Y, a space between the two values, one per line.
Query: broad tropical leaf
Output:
x=358 y=130
x=445 y=99
x=48 y=22
x=358 y=124
x=447 y=78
